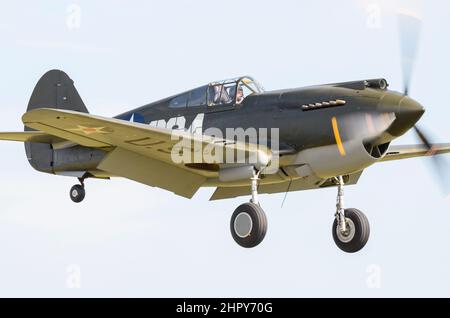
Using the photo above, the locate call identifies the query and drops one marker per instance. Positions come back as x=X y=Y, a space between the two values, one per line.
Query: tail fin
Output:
x=55 y=89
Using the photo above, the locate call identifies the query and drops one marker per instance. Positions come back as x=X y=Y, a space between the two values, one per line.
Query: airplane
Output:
x=306 y=138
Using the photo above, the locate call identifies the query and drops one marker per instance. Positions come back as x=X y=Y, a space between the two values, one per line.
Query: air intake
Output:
x=377 y=151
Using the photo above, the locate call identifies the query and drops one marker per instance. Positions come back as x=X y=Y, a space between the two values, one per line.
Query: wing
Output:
x=412 y=151
x=136 y=151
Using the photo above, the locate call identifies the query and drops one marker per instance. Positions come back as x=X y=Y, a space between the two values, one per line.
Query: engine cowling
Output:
x=329 y=161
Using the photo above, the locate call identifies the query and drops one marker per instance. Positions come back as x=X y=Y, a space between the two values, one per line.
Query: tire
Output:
x=248 y=225
x=77 y=193
x=358 y=235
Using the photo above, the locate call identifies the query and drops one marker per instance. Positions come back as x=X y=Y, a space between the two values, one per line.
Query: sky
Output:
x=130 y=240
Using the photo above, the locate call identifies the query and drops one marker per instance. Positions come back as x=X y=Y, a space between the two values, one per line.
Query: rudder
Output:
x=55 y=89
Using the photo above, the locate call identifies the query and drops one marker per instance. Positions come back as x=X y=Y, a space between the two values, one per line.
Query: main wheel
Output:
x=357 y=231
x=248 y=225
x=77 y=193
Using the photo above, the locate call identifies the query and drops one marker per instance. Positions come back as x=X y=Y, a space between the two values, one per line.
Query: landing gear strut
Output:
x=248 y=223
x=77 y=192
x=350 y=228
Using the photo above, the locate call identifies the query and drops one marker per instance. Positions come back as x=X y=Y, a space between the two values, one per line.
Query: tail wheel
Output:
x=77 y=193
x=357 y=231
x=248 y=225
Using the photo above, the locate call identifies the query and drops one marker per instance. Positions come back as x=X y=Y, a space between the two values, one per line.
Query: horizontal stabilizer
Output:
x=30 y=136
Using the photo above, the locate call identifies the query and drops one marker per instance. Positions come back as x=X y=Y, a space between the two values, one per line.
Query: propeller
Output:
x=409 y=25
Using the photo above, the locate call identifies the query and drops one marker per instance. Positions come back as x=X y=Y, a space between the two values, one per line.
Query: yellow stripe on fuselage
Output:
x=337 y=136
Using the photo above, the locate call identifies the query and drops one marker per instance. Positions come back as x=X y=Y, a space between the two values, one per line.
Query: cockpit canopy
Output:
x=226 y=92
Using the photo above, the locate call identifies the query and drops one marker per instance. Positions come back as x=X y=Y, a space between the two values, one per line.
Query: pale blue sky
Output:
x=131 y=240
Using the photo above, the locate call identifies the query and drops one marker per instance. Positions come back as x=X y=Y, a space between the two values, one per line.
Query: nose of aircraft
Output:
x=407 y=114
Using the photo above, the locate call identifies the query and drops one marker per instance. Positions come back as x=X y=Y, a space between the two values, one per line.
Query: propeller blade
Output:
x=409 y=26
x=441 y=166
x=442 y=171
x=425 y=140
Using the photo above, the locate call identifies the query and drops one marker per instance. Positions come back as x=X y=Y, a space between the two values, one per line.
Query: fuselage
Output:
x=304 y=117
x=299 y=128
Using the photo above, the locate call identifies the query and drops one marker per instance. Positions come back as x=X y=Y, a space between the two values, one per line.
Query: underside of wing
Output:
x=152 y=172
x=413 y=151
x=308 y=183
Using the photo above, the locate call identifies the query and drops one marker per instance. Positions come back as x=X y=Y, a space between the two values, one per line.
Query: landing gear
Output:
x=248 y=223
x=350 y=228
x=77 y=192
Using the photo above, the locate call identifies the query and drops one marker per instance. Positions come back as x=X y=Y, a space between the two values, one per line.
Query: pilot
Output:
x=222 y=95
x=239 y=95
x=217 y=93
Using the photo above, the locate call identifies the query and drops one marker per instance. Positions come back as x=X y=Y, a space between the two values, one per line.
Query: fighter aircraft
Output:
x=306 y=138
